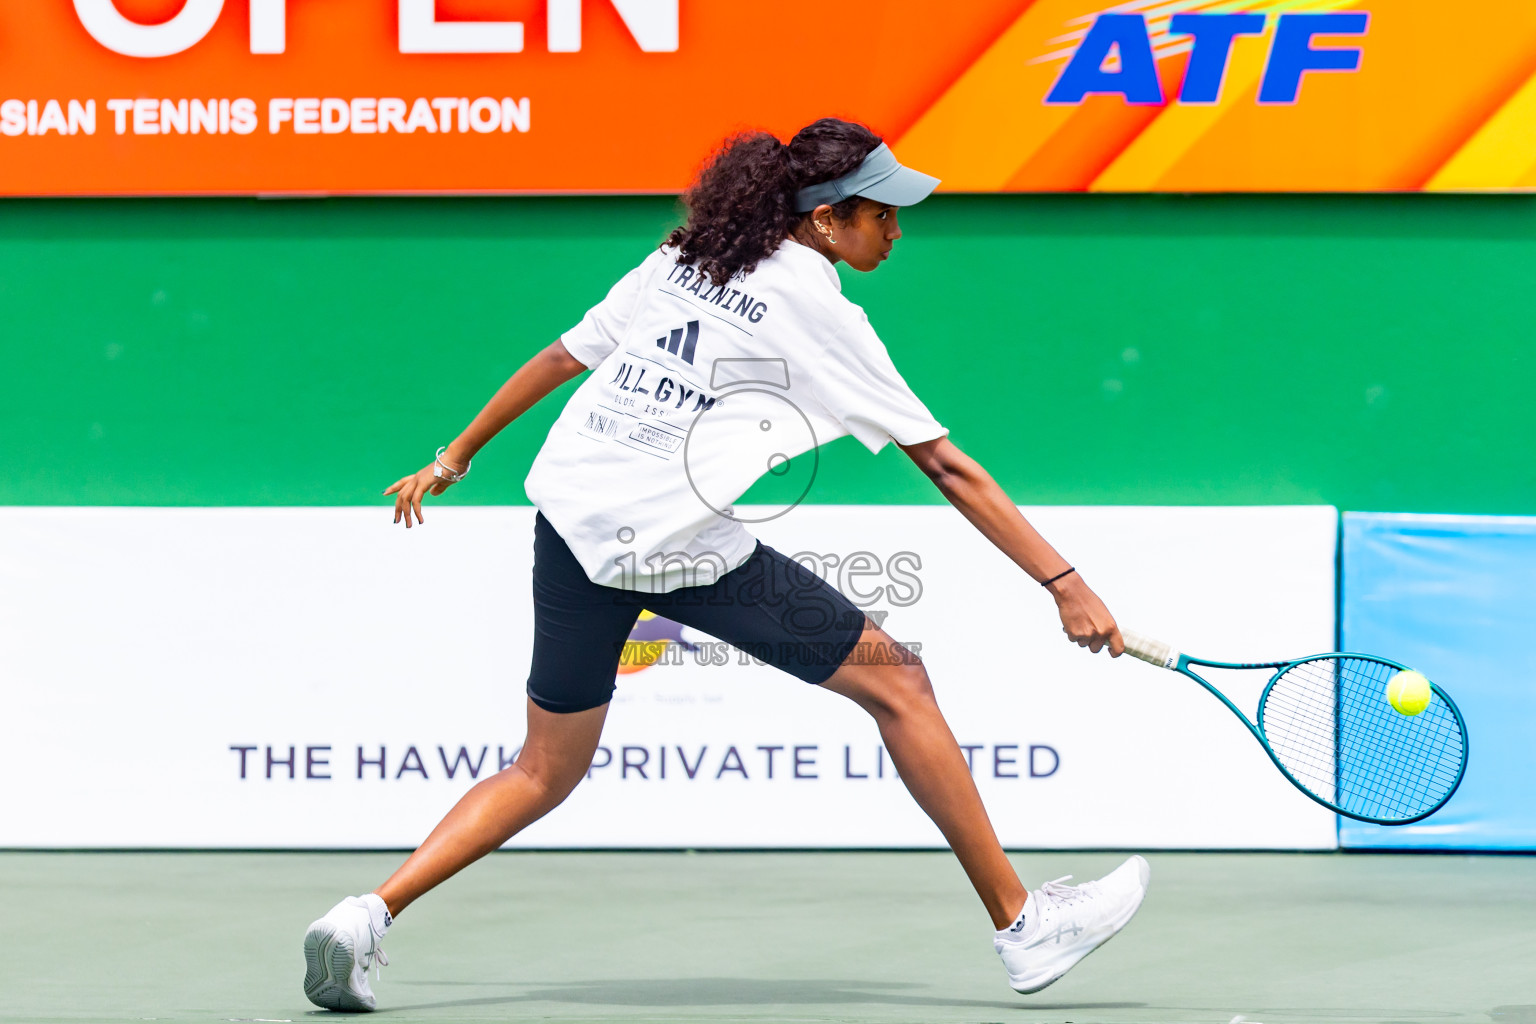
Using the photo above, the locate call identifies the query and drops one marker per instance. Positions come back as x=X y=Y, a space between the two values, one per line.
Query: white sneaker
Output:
x=338 y=950
x=1061 y=924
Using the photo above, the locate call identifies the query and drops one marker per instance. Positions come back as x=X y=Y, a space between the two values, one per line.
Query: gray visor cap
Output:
x=880 y=177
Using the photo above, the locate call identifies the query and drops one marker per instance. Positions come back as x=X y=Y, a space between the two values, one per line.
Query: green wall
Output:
x=1371 y=352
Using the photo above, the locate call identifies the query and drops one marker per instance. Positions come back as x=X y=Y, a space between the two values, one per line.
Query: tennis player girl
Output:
x=633 y=498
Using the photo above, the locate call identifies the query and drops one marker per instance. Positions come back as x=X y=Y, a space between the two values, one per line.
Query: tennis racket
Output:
x=1326 y=723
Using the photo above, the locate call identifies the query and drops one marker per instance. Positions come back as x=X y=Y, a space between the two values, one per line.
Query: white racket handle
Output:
x=1154 y=652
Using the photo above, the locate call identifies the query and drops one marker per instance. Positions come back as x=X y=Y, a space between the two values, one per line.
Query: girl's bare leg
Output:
x=931 y=764
x=555 y=757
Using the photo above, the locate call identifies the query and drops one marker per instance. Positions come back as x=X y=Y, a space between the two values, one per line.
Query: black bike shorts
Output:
x=770 y=606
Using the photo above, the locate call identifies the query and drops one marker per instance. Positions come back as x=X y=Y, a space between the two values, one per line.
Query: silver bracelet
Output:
x=448 y=473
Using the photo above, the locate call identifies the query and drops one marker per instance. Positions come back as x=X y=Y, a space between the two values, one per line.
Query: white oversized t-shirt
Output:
x=693 y=396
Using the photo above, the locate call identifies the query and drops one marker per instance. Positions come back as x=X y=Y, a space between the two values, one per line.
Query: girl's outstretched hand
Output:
x=409 y=490
x=1084 y=618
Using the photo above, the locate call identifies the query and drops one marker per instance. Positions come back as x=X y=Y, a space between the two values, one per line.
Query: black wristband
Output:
x=1058 y=576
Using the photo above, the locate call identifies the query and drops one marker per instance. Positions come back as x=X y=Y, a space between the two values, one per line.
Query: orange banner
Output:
x=124 y=97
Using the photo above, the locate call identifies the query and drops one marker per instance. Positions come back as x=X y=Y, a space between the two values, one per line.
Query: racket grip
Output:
x=1153 y=652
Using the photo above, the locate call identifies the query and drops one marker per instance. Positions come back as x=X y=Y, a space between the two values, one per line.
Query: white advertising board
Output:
x=319 y=678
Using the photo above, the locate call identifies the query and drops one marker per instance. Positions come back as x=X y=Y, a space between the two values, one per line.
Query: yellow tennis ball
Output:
x=1408 y=692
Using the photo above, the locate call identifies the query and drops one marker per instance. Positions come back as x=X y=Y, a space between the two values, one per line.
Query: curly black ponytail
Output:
x=742 y=205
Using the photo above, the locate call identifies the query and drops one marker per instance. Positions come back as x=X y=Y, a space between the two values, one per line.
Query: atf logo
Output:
x=1118 y=52
x=648 y=642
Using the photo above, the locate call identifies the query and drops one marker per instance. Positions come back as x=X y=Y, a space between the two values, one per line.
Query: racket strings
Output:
x=1329 y=723
x=1379 y=768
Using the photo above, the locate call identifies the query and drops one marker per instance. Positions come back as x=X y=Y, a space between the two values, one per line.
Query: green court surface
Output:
x=1224 y=938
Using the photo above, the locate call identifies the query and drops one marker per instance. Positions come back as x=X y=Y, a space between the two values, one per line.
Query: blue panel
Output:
x=1455 y=597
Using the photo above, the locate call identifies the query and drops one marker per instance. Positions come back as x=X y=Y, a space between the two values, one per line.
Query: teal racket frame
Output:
x=1181 y=666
